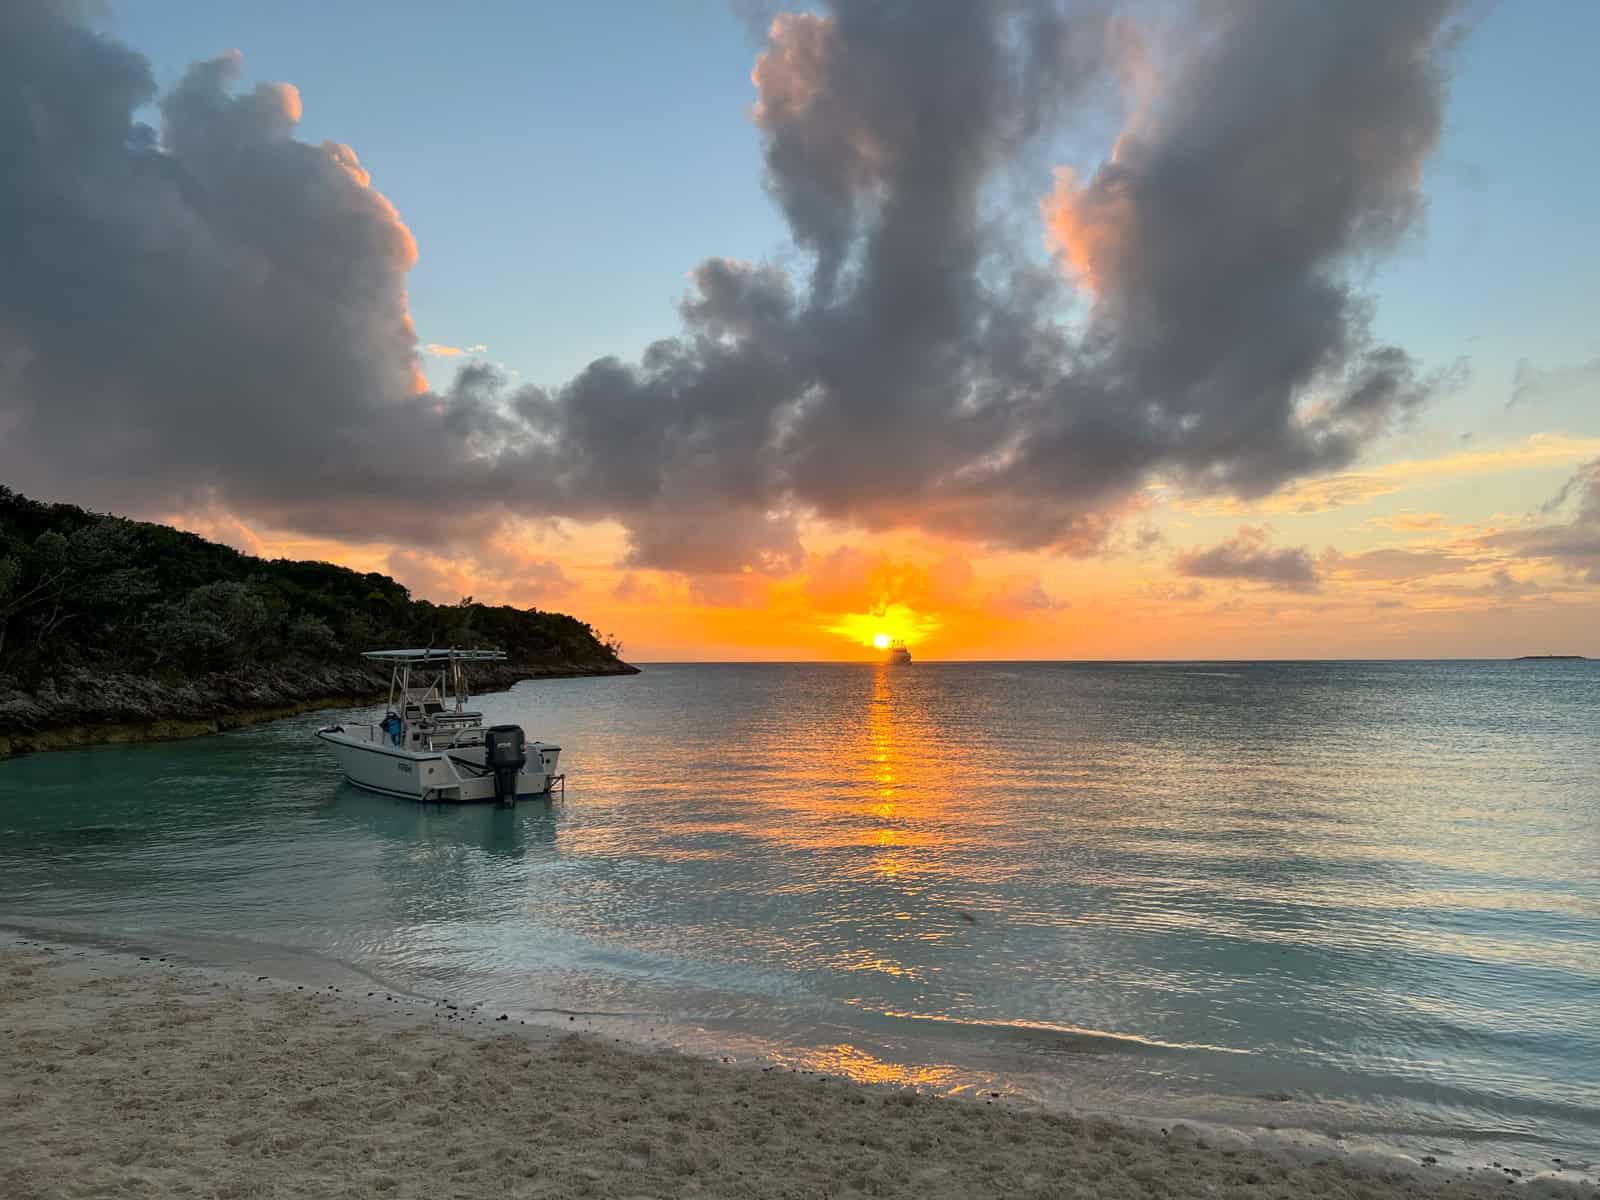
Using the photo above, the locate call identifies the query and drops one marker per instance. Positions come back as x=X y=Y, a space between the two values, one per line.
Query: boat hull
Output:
x=436 y=776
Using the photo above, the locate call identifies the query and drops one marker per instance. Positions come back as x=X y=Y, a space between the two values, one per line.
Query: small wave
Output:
x=1075 y=1032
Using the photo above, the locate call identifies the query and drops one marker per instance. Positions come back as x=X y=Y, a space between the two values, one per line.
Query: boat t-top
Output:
x=430 y=746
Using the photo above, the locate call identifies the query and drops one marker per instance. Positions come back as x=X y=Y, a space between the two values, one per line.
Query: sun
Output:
x=883 y=626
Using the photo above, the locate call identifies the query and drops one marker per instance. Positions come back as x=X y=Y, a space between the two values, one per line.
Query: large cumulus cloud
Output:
x=217 y=307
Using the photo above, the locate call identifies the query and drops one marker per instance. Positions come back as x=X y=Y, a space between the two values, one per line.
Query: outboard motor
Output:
x=504 y=753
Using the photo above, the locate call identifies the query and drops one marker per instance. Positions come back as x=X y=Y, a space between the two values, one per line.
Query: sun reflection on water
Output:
x=865 y=1067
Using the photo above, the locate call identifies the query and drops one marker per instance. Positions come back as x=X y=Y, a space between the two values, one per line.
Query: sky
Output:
x=1134 y=329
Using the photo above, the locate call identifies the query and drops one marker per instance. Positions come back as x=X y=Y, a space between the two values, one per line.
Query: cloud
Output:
x=1502 y=585
x=1396 y=564
x=1250 y=556
x=224 y=305
x=849 y=579
x=1023 y=594
x=1530 y=382
x=729 y=591
x=498 y=575
x=632 y=589
x=440 y=350
x=1407 y=521
x=1336 y=491
x=1148 y=537
x=1171 y=592
x=1573 y=544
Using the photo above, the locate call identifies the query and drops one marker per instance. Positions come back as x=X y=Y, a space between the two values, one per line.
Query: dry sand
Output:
x=129 y=1077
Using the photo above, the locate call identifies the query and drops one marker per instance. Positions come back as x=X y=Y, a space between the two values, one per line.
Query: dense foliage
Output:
x=85 y=590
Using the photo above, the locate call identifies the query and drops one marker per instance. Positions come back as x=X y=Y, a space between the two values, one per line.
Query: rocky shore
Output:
x=82 y=708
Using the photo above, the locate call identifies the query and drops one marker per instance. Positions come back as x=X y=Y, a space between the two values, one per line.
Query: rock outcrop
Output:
x=81 y=708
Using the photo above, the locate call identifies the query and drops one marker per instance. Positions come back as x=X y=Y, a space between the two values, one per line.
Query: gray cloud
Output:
x=1531 y=382
x=1500 y=585
x=1573 y=544
x=216 y=309
x=1249 y=555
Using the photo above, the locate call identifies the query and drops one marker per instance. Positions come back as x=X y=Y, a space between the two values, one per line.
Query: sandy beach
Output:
x=133 y=1075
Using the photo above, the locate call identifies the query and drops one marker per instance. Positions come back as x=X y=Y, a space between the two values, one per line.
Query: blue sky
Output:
x=563 y=167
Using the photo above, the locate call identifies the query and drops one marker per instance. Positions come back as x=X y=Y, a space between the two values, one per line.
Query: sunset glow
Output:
x=886 y=624
x=1036 y=552
x=1101 y=392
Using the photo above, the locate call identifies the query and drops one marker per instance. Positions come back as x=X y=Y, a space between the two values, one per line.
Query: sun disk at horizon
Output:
x=885 y=625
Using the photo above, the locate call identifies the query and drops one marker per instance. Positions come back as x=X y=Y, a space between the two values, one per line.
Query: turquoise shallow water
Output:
x=1360 y=898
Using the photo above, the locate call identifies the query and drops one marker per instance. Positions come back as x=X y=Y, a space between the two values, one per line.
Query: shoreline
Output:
x=158 y=1072
x=174 y=714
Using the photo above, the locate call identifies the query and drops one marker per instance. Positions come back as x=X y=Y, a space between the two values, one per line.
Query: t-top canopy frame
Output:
x=432 y=655
x=450 y=661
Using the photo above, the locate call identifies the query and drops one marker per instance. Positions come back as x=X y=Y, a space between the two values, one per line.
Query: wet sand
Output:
x=143 y=1077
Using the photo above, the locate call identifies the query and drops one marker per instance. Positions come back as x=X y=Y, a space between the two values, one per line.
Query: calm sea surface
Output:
x=1358 y=898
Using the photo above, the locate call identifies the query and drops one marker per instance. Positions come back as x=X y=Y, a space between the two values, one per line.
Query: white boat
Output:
x=430 y=746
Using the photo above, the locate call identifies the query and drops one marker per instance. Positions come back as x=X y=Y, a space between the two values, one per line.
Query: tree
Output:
x=62 y=578
x=210 y=627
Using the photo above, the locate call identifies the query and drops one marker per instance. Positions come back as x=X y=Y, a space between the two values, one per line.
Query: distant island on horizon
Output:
x=1550 y=658
x=119 y=630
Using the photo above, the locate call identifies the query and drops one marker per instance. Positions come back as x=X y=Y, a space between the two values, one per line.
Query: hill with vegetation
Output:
x=115 y=629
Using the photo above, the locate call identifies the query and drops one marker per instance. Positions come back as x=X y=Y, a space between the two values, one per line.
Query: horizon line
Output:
x=861 y=662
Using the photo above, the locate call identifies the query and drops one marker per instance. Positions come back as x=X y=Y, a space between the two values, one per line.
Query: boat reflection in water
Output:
x=441 y=864
x=506 y=833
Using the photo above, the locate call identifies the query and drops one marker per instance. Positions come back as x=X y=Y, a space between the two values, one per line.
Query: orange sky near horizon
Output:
x=1399 y=551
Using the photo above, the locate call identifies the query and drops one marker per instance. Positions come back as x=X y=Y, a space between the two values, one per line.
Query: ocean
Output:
x=1359 y=899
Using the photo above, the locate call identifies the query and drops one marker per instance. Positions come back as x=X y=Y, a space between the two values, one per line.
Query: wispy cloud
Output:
x=1361 y=487
x=1501 y=585
x=1396 y=564
x=1172 y=592
x=1530 y=382
x=1573 y=544
x=440 y=350
x=1407 y=521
